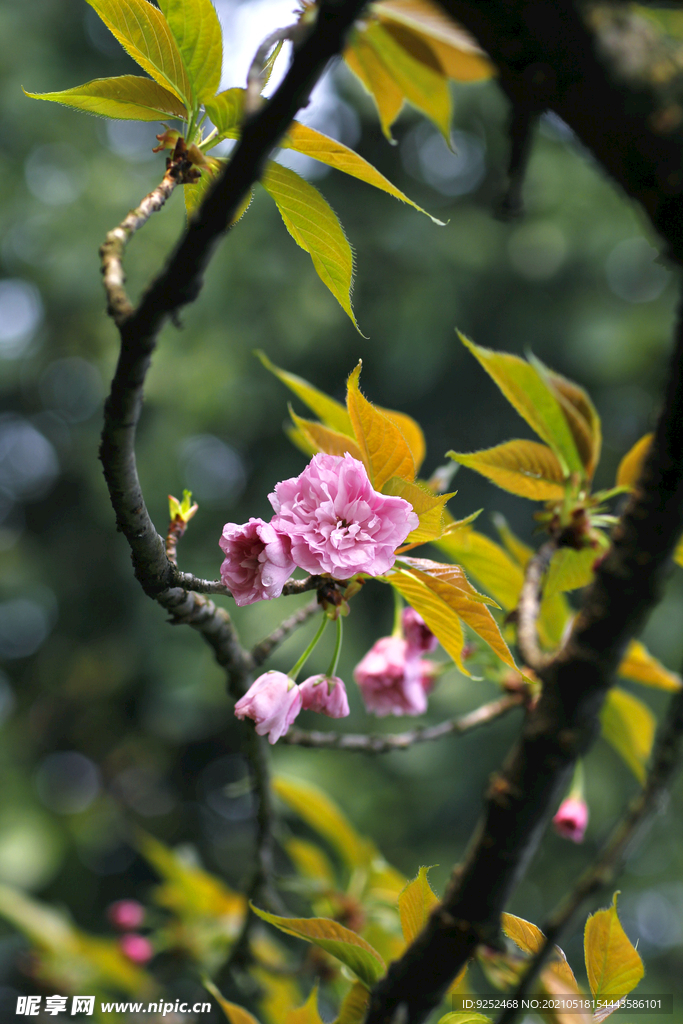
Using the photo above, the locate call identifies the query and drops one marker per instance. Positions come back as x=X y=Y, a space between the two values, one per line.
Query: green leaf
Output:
x=226 y=110
x=424 y=86
x=325 y=818
x=335 y=154
x=530 y=939
x=197 y=31
x=323 y=439
x=355 y=1005
x=310 y=861
x=314 y=226
x=145 y=34
x=428 y=507
x=415 y=903
x=526 y=468
x=631 y=465
x=332 y=413
x=340 y=942
x=613 y=966
x=533 y=399
x=127 y=98
x=569 y=570
x=628 y=725
x=642 y=667
x=385 y=451
x=464 y=1017
x=370 y=70
x=580 y=413
x=235 y=1014
x=308 y=1013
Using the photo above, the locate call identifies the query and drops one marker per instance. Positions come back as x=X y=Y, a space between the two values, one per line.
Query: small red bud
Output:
x=126 y=914
x=136 y=947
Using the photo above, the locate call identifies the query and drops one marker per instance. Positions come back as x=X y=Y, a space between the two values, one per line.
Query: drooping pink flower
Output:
x=325 y=694
x=337 y=522
x=273 y=701
x=126 y=914
x=571 y=819
x=258 y=561
x=417 y=633
x=136 y=947
x=390 y=681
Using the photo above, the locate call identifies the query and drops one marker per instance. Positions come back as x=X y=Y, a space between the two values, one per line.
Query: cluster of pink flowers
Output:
x=329 y=519
x=126 y=915
x=274 y=700
x=393 y=677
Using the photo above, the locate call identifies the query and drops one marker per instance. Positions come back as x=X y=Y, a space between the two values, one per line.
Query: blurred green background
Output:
x=111 y=717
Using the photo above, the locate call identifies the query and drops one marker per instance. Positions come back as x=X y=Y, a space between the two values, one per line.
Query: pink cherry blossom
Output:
x=391 y=681
x=571 y=819
x=417 y=633
x=273 y=701
x=337 y=522
x=136 y=947
x=258 y=561
x=325 y=694
x=126 y=914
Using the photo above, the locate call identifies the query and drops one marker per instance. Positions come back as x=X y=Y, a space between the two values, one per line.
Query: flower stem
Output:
x=332 y=670
x=398 y=611
x=294 y=672
x=576 y=791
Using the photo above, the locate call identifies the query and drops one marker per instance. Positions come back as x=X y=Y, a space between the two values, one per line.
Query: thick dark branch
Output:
x=382 y=744
x=530 y=605
x=666 y=762
x=266 y=647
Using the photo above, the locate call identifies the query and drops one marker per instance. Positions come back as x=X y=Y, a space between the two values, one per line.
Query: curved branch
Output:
x=382 y=744
x=530 y=605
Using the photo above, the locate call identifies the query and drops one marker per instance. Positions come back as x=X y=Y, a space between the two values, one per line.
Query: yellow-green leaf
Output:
x=324 y=439
x=551 y=985
x=143 y=31
x=428 y=507
x=415 y=903
x=613 y=966
x=628 y=725
x=314 y=226
x=348 y=947
x=631 y=466
x=226 y=110
x=464 y=1017
x=235 y=1014
x=569 y=570
x=335 y=154
x=439 y=616
x=425 y=86
x=301 y=440
x=526 y=468
x=530 y=939
x=490 y=565
x=332 y=413
x=126 y=98
x=385 y=451
x=458 y=54
x=580 y=413
x=354 y=1006
x=642 y=667
x=310 y=861
x=533 y=399
x=411 y=431
x=197 y=32
x=444 y=572
x=367 y=66
x=308 y=1013
x=325 y=818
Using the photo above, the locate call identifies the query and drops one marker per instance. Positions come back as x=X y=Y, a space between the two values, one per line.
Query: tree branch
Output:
x=382 y=744
x=529 y=607
x=666 y=762
x=266 y=647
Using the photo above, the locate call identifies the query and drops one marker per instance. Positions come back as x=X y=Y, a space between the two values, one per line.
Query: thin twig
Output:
x=255 y=75
x=530 y=605
x=381 y=744
x=666 y=761
x=266 y=647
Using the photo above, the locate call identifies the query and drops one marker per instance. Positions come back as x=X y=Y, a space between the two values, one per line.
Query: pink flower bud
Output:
x=390 y=681
x=571 y=819
x=136 y=947
x=126 y=914
x=417 y=633
x=337 y=522
x=273 y=701
x=326 y=694
x=258 y=561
